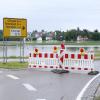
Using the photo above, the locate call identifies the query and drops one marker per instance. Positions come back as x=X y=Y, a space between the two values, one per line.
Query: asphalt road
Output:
x=40 y=85
x=33 y=84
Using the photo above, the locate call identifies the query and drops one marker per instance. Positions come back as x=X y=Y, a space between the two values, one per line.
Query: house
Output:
x=80 y=38
x=39 y=39
x=48 y=38
x=50 y=35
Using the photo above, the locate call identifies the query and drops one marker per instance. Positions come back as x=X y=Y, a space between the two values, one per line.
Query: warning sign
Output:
x=14 y=27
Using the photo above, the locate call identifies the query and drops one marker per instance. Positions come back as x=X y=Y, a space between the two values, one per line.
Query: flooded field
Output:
x=15 y=50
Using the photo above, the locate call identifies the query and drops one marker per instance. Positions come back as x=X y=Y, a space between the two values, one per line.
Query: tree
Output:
x=71 y=35
x=59 y=35
x=33 y=35
x=1 y=35
x=96 y=31
x=43 y=37
x=96 y=36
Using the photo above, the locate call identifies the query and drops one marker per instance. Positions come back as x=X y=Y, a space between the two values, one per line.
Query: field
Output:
x=52 y=42
x=66 y=43
x=14 y=65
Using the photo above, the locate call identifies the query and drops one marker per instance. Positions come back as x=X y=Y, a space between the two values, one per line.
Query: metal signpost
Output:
x=14 y=28
x=4 y=50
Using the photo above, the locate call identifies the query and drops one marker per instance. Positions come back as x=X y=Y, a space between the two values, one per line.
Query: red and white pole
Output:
x=61 y=57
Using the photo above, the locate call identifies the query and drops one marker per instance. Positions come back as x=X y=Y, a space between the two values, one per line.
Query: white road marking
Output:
x=29 y=87
x=40 y=99
x=79 y=97
x=13 y=77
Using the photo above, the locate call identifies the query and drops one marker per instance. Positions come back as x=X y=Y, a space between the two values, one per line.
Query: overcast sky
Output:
x=53 y=14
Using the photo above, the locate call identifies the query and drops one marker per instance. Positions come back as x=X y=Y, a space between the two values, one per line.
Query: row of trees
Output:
x=71 y=35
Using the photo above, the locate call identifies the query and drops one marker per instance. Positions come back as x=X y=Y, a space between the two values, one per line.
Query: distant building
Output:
x=48 y=38
x=50 y=35
x=39 y=40
x=38 y=36
x=80 y=38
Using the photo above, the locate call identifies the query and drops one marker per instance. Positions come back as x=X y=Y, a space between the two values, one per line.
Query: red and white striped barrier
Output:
x=79 y=63
x=43 y=60
x=74 y=62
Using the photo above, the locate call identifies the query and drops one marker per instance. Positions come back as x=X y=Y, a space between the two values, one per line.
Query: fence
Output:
x=74 y=62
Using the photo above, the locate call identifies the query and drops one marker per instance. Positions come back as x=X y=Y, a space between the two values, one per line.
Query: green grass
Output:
x=52 y=42
x=14 y=65
x=97 y=98
x=66 y=42
x=14 y=57
x=97 y=58
x=89 y=43
x=97 y=55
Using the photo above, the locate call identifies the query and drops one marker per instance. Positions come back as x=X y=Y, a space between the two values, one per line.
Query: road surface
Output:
x=32 y=84
x=40 y=85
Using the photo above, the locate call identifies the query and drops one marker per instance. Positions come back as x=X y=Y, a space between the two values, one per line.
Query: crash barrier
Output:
x=76 y=62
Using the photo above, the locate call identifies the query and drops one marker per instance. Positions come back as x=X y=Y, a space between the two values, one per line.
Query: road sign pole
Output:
x=23 y=49
x=6 y=50
x=3 y=50
x=20 y=50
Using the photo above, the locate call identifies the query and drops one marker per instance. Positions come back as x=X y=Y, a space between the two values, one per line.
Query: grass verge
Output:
x=14 y=57
x=97 y=58
x=97 y=98
x=66 y=42
x=14 y=65
x=97 y=55
x=53 y=42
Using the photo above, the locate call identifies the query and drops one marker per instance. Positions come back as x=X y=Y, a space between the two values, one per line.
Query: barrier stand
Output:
x=61 y=61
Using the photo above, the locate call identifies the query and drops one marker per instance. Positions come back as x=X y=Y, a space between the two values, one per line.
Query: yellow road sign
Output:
x=14 y=27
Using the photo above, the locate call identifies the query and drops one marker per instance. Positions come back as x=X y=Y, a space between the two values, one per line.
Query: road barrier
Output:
x=74 y=62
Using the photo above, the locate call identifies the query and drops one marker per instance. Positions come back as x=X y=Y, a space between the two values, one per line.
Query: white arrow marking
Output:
x=13 y=77
x=29 y=87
